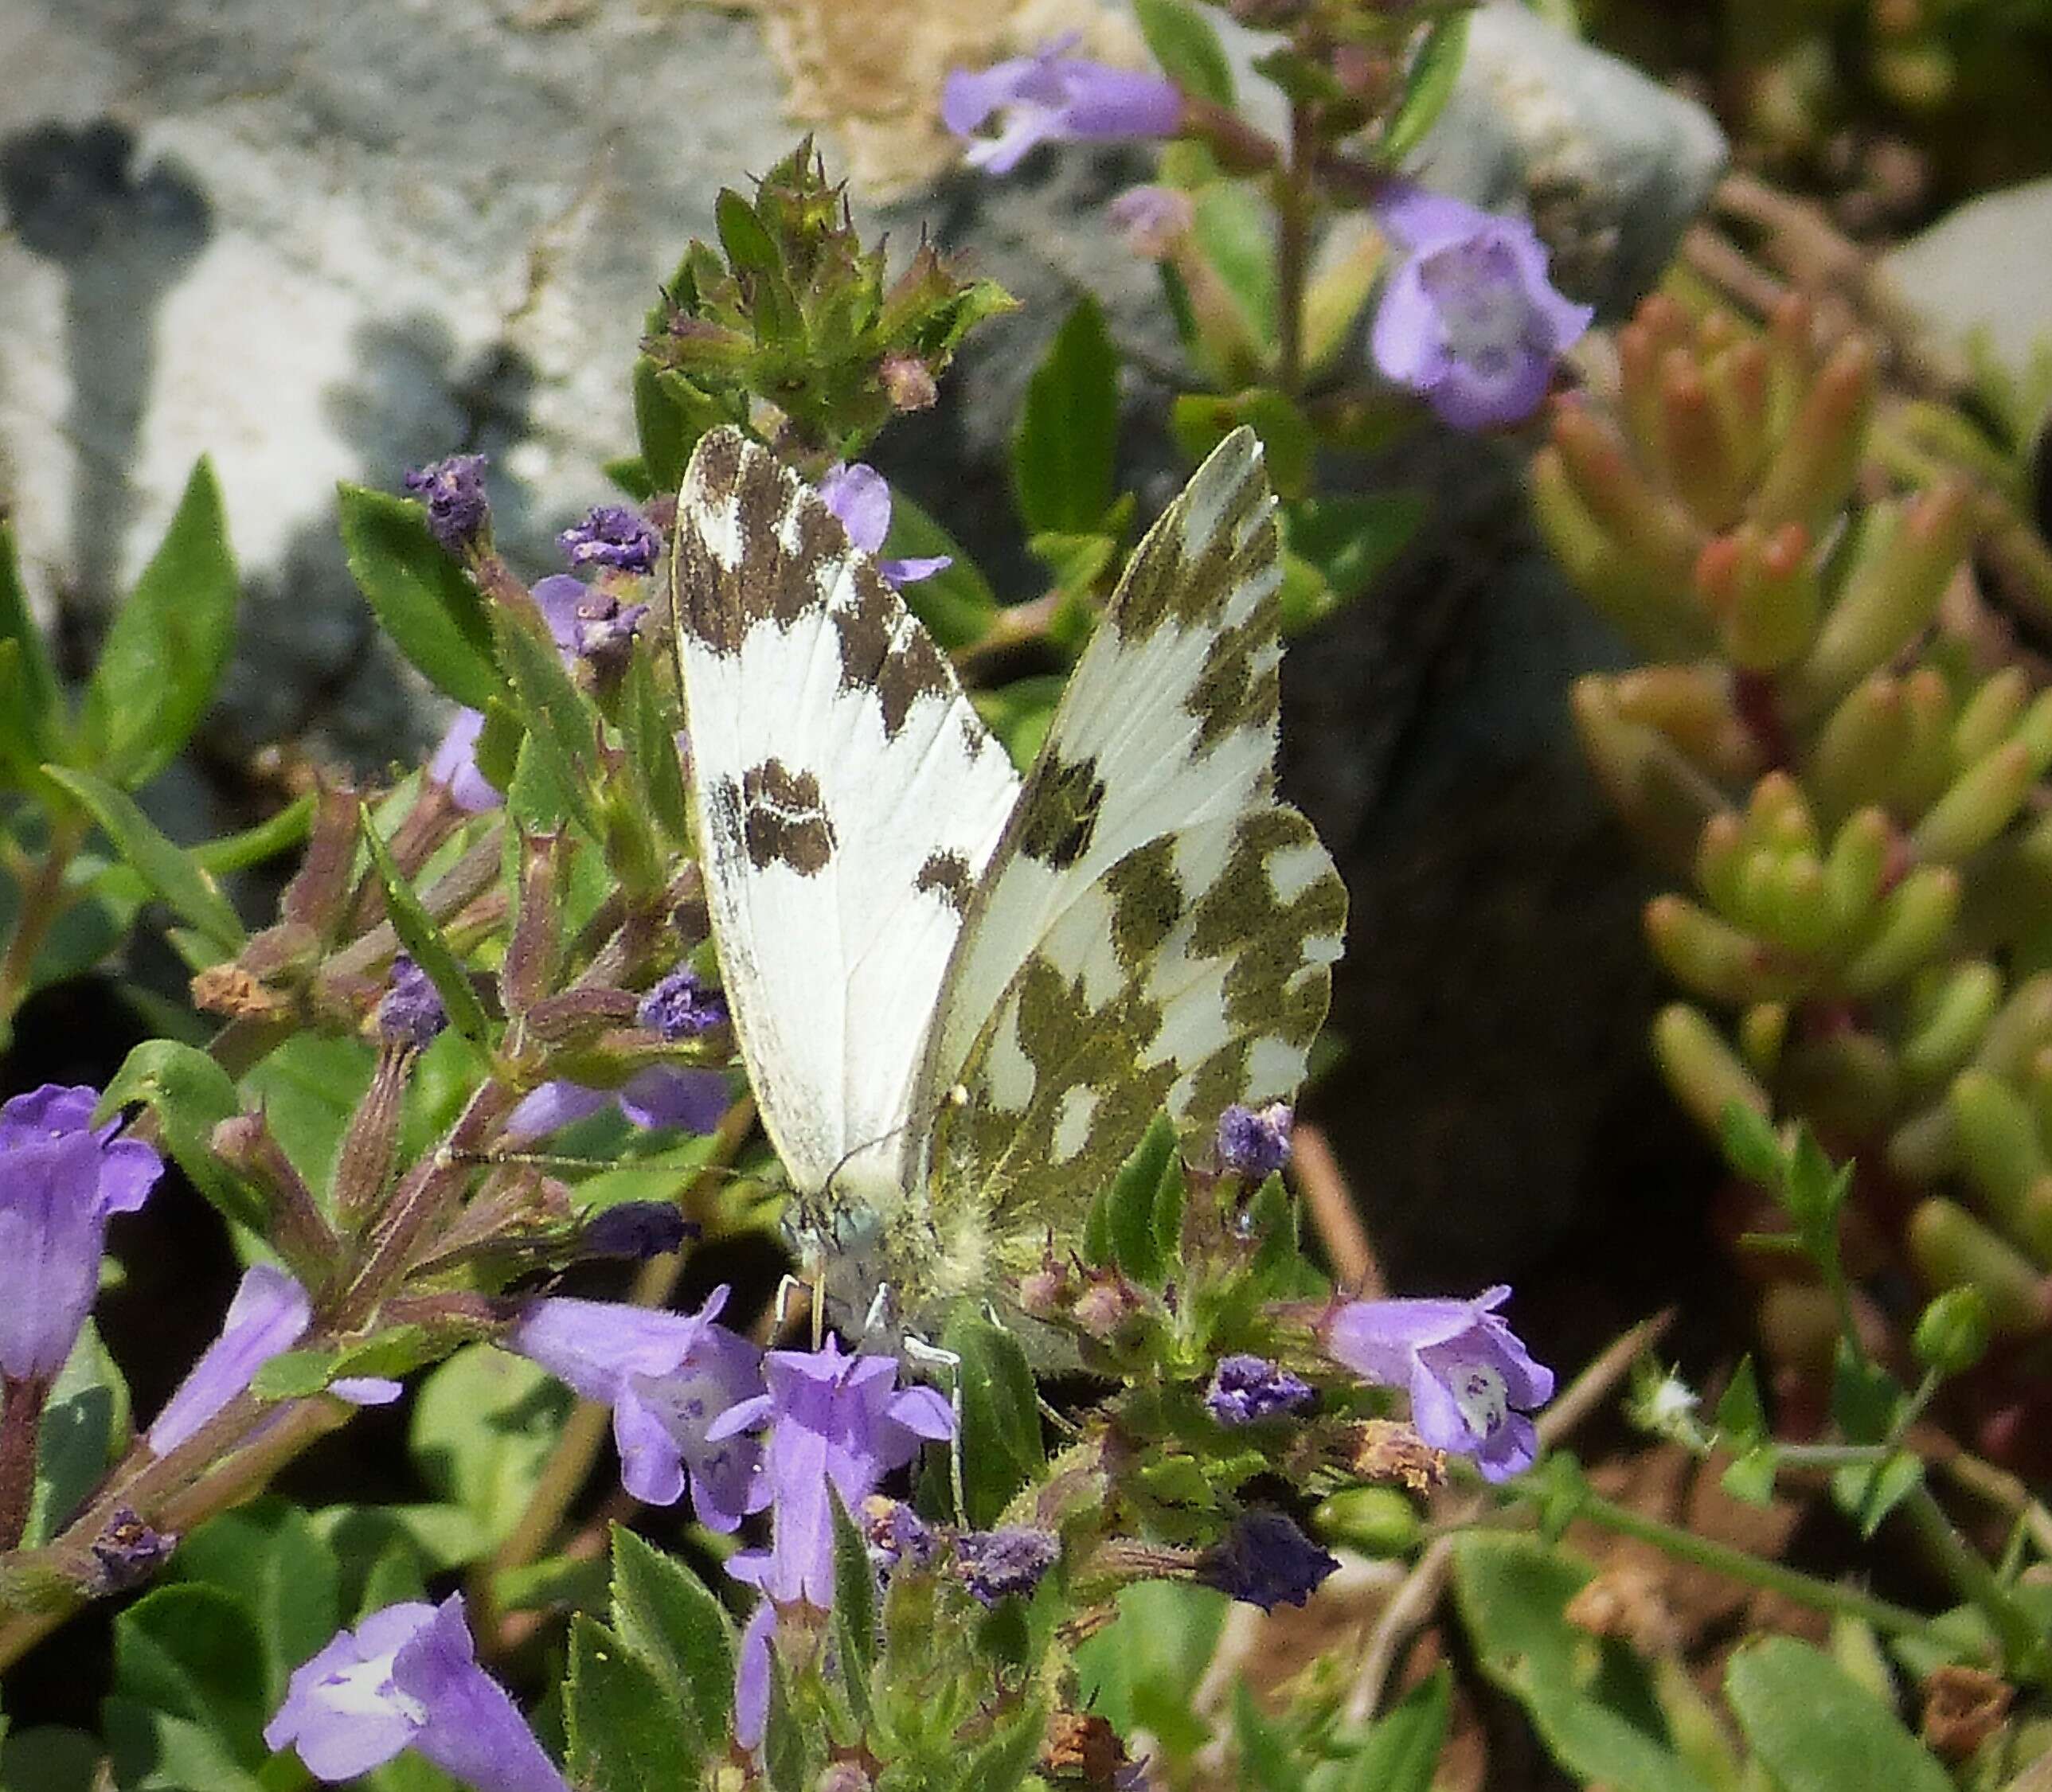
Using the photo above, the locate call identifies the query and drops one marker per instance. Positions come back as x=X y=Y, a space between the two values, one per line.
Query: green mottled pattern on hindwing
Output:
x=1236 y=690
x=1266 y=935
x=1058 y=809
x=1147 y=901
x=1163 y=581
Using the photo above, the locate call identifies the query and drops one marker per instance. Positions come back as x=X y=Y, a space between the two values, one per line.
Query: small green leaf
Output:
x=1001 y=1447
x=435 y=617
x=1752 y=1146
x=193 y=1653
x=1816 y=1729
x=1741 y=1419
x=1870 y=1494
x=1750 y=1477
x=1433 y=72
x=1200 y=421
x=855 y=1593
x=168 y=643
x=627 y=1730
x=268 y=1555
x=1061 y=454
x=1402 y=1752
x=561 y=726
x=670 y=415
x=1002 y=1763
x=171 y=873
x=667 y=1615
x=152 y=1751
x=483 y=1425
x=1267 y=1763
x=50 y=1757
x=42 y=720
x=254 y=846
x=1143 y=1207
x=956 y=604
x=84 y=1425
x=419 y=934
x=1235 y=233
x=646 y=730
x=1188 y=49
x=190 y=1094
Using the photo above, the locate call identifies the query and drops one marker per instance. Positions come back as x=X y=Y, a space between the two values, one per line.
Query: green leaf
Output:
x=1351 y=540
x=1816 y=1729
x=50 y=1757
x=153 y=1751
x=168 y=645
x=855 y=1593
x=193 y=1653
x=1002 y=1763
x=1870 y=1494
x=1062 y=453
x=423 y=939
x=1741 y=1419
x=84 y=1425
x=956 y=604
x=1142 y=1672
x=1001 y=1447
x=483 y=1425
x=1200 y=421
x=1432 y=74
x=1750 y=1477
x=1188 y=49
x=670 y=415
x=190 y=1094
x=1751 y=1146
x=561 y=726
x=172 y=874
x=1235 y=233
x=627 y=1730
x=1143 y=1208
x=255 y=846
x=668 y=1616
x=268 y=1555
x=645 y=725
x=41 y=719
x=309 y=1089
x=1402 y=1750
x=435 y=617
x=1591 y=1701
x=1267 y=1763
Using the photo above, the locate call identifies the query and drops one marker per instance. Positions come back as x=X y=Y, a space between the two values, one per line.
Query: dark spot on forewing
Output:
x=1060 y=808
x=946 y=874
x=782 y=820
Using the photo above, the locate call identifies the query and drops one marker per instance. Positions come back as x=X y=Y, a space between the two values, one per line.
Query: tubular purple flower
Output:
x=751 y=1677
x=860 y=496
x=611 y=535
x=661 y=1095
x=1051 y=96
x=681 y=1005
x=407 y=1678
x=61 y=1180
x=269 y=1314
x=669 y=1377
x=1473 y=1384
x=1468 y=318
x=833 y=1421
x=566 y=604
x=458 y=513
x=454 y=765
x=410 y=1010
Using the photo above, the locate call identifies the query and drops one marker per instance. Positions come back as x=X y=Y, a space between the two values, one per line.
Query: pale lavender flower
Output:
x=1245 y=1388
x=995 y=1565
x=410 y=1012
x=454 y=765
x=1052 y=96
x=834 y=1422
x=1264 y=1559
x=1467 y=318
x=1154 y=220
x=407 y=1678
x=669 y=1377
x=751 y=1677
x=1472 y=1384
x=61 y=1180
x=682 y=1006
x=566 y=604
x=269 y=1314
x=658 y=1096
x=1255 y=1141
x=860 y=496
x=611 y=535
x=458 y=513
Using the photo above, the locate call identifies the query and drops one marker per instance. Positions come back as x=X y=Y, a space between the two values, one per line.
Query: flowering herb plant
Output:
x=483 y=1058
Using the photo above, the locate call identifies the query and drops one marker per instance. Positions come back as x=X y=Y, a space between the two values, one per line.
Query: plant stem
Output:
x=19 y=1423
x=1974 y=1580
x=1293 y=247
x=43 y=900
x=1735 y=1564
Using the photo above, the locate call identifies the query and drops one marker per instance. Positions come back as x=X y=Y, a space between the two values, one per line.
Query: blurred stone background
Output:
x=324 y=243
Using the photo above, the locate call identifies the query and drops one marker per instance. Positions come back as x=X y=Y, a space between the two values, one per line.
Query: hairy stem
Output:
x=19 y=1423
x=43 y=900
x=1293 y=247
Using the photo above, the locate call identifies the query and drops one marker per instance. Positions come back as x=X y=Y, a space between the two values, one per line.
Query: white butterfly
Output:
x=963 y=998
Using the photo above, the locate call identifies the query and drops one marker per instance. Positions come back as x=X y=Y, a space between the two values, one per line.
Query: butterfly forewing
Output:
x=847 y=801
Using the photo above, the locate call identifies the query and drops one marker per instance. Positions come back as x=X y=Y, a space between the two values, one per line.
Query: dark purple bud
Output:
x=682 y=1006
x=604 y=640
x=1255 y=1141
x=458 y=513
x=896 y=1532
x=1265 y=1560
x=410 y=1012
x=636 y=1231
x=996 y=1564
x=1247 y=1388
x=129 y=1552
x=611 y=535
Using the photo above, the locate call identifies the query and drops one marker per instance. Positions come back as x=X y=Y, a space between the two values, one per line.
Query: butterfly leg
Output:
x=931 y=1356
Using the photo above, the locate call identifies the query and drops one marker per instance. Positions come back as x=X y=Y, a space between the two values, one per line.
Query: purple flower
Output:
x=1153 y=220
x=410 y=1012
x=1247 y=1388
x=454 y=765
x=660 y=1095
x=61 y=1179
x=1255 y=1141
x=1472 y=1384
x=834 y=1421
x=751 y=1677
x=611 y=535
x=269 y=1314
x=1467 y=318
x=996 y=1564
x=1053 y=97
x=682 y=1006
x=897 y=1533
x=859 y=497
x=407 y=1678
x=584 y=622
x=458 y=513
x=668 y=1377
x=1264 y=1560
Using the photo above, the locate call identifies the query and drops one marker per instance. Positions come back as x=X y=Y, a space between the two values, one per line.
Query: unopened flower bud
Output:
x=1951 y=1333
x=129 y=1552
x=1107 y=1306
x=908 y=382
x=458 y=513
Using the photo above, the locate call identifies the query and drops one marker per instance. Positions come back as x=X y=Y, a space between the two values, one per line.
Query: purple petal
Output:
x=42 y=1113
x=859 y=495
x=652 y=1467
x=128 y=1170
x=911 y=571
x=594 y=1345
x=1406 y=339
x=1378 y=1339
x=454 y=765
x=751 y=1679
x=1509 y=1450
x=552 y=1107
x=472 y=1730
x=340 y=1711
x=1101 y=103
x=366 y=1390
x=51 y=1234
x=561 y=597
x=663 y=1095
x=270 y=1313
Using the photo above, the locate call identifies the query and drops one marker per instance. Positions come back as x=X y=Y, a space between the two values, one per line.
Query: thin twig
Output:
x=1334 y=1216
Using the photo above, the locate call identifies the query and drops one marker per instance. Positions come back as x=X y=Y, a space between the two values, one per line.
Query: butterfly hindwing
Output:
x=847 y=800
